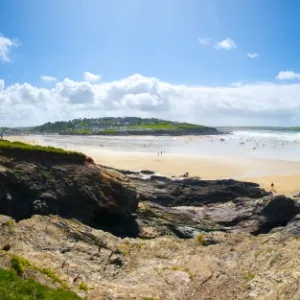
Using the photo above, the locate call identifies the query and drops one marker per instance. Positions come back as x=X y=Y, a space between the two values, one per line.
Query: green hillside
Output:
x=117 y=126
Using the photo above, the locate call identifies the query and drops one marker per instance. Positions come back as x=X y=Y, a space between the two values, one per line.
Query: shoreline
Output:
x=284 y=174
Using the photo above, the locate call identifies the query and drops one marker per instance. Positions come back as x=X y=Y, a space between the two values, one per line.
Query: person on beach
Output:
x=272 y=188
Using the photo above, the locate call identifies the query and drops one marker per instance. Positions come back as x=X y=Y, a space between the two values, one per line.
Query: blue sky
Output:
x=192 y=43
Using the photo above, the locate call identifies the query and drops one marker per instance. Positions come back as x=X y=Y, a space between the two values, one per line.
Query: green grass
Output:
x=19 y=265
x=13 y=146
x=110 y=131
x=51 y=274
x=83 y=287
x=82 y=131
x=165 y=126
x=201 y=239
x=12 y=287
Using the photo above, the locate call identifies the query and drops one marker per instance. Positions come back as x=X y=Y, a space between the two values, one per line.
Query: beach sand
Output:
x=284 y=174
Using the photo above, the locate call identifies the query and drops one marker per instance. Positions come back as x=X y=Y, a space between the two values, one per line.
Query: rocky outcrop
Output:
x=186 y=207
x=214 y=265
x=198 y=239
x=194 y=192
x=241 y=215
x=50 y=184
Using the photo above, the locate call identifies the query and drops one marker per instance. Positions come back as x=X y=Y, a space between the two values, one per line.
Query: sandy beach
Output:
x=284 y=173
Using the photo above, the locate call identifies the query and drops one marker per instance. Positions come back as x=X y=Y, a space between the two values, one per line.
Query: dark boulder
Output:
x=194 y=192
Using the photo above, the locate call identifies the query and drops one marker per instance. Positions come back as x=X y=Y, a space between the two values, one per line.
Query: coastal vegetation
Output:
x=14 y=287
x=12 y=147
x=113 y=126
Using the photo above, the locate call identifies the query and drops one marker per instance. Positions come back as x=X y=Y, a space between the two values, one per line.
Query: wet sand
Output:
x=284 y=173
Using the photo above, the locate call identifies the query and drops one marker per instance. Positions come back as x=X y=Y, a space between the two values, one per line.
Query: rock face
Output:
x=236 y=266
x=184 y=208
x=194 y=192
x=45 y=185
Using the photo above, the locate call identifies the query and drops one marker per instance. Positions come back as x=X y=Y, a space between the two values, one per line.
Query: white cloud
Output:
x=91 y=77
x=253 y=55
x=204 y=41
x=227 y=44
x=137 y=95
x=5 y=47
x=48 y=78
x=288 y=75
x=1 y=86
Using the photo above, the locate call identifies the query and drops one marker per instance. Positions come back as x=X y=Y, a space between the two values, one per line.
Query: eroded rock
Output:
x=96 y=196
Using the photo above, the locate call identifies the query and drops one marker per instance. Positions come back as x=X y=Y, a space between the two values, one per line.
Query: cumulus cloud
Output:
x=5 y=47
x=252 y=55
x=204 y=41
x=88 y=76
x=48 y=78
x=288 y=75
x=137 y=95
x=227 y=44
x=1 y=86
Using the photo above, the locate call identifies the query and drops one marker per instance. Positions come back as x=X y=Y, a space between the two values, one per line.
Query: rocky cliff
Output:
x=113 y=234
x=57 y=183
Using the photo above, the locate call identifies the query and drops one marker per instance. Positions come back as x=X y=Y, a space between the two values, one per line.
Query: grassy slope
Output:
x=113 y=125
x=166 y=126
x=12 y=287
x=6 y=145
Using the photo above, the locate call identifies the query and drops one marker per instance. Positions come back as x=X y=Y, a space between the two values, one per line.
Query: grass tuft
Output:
x=249 y=276
x=19 y=264
x=83 y=287
x=201 y=239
